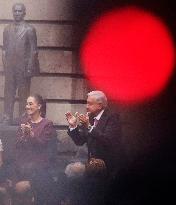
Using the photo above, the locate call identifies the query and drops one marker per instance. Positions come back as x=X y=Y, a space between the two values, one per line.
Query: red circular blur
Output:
x=128 y=53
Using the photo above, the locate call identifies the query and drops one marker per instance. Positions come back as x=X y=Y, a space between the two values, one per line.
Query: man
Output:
x=101 y=130
x=20 y=60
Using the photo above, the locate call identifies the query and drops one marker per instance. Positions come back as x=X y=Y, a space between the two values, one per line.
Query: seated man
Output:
x=95 y=168
x=76 y=169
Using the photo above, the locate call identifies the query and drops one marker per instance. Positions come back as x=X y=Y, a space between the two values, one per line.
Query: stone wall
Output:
x=60 y=81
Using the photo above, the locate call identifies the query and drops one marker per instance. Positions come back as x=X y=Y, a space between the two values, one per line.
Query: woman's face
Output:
x=32 y=106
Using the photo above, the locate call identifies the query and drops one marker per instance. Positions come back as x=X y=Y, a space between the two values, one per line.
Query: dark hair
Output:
x=42 y=102
x=95 y=168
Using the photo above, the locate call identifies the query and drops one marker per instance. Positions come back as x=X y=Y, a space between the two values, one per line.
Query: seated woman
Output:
x=35 y=150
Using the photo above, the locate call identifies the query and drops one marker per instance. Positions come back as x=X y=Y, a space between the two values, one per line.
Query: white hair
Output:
x=99 y=96
x=75 y=169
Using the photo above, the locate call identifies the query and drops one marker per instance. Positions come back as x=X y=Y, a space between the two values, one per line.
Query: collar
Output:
x=99 y=115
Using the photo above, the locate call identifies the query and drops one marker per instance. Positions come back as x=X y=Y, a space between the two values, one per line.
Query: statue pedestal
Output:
x=7 y=136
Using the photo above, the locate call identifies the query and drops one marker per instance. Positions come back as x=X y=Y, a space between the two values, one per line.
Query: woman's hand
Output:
x=27 y=129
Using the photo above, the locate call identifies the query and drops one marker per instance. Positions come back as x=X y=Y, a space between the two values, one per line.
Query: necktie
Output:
x=95 y=122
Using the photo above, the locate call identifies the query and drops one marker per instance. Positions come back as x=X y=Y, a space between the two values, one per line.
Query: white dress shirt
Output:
x=96 y=118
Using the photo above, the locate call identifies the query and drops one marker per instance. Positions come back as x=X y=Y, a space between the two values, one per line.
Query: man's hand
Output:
x=72 y=120
x=84 y=119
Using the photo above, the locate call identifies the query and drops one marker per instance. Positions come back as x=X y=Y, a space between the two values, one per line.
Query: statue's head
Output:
x=19 y=11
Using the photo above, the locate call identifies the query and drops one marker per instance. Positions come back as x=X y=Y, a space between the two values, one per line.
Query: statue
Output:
x=20 y=60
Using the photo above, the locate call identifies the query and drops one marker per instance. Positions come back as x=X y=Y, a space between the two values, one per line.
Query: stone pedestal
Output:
x=7 y=136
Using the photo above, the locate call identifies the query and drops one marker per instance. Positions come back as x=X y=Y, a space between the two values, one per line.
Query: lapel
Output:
x=103 y=119
x=91 y=142
x=21 y=30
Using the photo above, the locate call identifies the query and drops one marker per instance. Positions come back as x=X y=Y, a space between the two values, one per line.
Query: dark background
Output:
x=150 y=175
x=86 y=11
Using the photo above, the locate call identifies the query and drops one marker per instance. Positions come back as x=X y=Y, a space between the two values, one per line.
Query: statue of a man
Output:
x=20 y=60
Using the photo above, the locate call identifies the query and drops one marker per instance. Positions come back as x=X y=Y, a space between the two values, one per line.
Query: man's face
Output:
x=93 y=106
x=18 y=13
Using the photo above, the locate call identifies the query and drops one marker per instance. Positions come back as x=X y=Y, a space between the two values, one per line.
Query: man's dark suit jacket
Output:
x=104 y=141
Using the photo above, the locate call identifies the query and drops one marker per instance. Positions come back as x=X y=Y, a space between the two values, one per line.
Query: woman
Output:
x=36 y=149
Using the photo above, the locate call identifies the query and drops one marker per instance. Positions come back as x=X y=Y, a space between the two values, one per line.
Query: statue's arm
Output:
x=3 y=57
x=4 y=47
x=33 y=64
x=33 y=40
